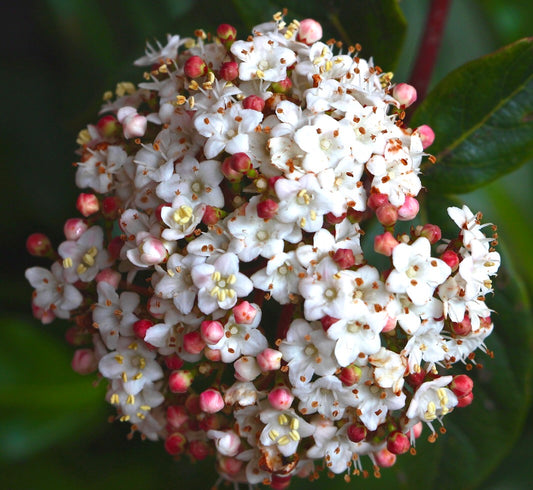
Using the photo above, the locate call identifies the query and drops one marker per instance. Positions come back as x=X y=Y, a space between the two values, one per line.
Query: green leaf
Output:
x=482 y=115
x=378 y=25
x=43 y=402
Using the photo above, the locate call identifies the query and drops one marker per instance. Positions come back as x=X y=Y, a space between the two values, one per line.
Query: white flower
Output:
x=432 y=401
x=161 y=53
x=389 y=369
x=427 y=345
x=416 y=272
x=97 y=171
x=181 y=218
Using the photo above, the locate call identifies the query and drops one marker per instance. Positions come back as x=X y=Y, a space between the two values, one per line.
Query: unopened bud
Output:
x=109 y=276
x=212 y=354
x=244 y=313
x=176 y=416
x=229 y=71
x=180 y=381
x=350 y=375
x=174 y=362
x=114 y=248
x=152 y=251
x=211 y=331
x=84 y=361
x=281 y=87
x=108 y=126
x=133 y=124
x=74 y=228
x=254 y=102
x=226 y=33
x=309 y=31
x=466 y=400
x=344 y=258
x=376 y=200
x=451 y=258
x=111 y=207
x=389 y=325
x=140 y=327
x=356 y=432
x=431 y=232
x=427 y=136
x=246 y=368
x=405 y=94
x=387 y=214
x=38 y=245
x=267 y=209
x=87 y=204
x=327 y=321
x=409 y=209
x=384 y=458
x=398 y=442
x=269 y=359
x=464 y=327
x=175 y=443
x=195 y=67
x=416 y=379
x=193 y=342
x=335 y=220
x=229 y=466
x=281 y=398
x=198 y=449
x=461 y=385
x=211 y=401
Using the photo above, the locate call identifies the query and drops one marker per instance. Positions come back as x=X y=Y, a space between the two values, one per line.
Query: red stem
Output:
x=429 y=48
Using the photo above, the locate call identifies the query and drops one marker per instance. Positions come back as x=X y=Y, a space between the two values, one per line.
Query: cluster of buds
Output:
x=217 y=277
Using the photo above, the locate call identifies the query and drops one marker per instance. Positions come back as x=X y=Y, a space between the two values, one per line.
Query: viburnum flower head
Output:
x=222 y=277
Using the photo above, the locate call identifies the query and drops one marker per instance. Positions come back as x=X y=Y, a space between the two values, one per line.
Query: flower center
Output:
x=310 y=350
x=325 y=144
x=182 y=216
x=222 y=286
x=197 y=187
x=261 y=235
x=303 y=198
x=87 y=260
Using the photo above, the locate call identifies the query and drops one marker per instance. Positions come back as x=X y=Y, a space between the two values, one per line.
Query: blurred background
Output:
x=59 y=56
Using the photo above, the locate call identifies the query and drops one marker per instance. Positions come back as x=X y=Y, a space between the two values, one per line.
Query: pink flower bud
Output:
x=281 y=398
x=398 y=442
x=344 y=258
x=350 y=375
x=180 y=381
x=405 y=94
x=229 y=71
x=211 y=401
x=427 y=136
x=384 y=244
x=269 y=359
x=212 y=215
x=241 y=162
x=111 y=207
x=461 y=385
x=387 y=214
x=335 y=220
x=114 y=248
x=226 y=33
x=464 y=401
x=193 y=342
x=244 y=313
x=416 y=379
x=451 y=258
x=390 y=325
x=140 y=327
x=175 y=443
x=416 y=430
x=309 y=31
x=195 y=67
x=254 y=102
x=280 y=482
x=267 y=209
x=409 y=209
x=74 y=228
x=229 y=466
x=376 y=200
x=211 y=331
x=152 y=251
x=74 y=337
x=212 y=354
x=192 y=404
x=108 y=126
x=229 y=172
x=176 y=416
x=84 y=361
x=431 y=232
x=45 y=316
x=87 y=204
x=38 y=245
x=385 y=458
x=356 y=432
x=327 y=321
x=281 y=87
x=174 y=362
x=227 y=442
x=133 y=124
x=464 y=327
x=109 y=276
x=246 y=368
x=209 y=421
x=198 y=449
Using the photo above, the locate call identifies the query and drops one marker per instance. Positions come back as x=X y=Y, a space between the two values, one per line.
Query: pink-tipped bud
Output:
x=212 y=215
x=140 y=327
x=416 y=430
x=180 y=381
x=350 y=375
x=211 y=401
x=327 y=321
x=193 y=342
x=426 y=134
x=390 y=325
x=269 y=359
x=174 y=362
x=344 y=258
x=229 y=466
x=335 y=220
x=464 y=401
x=309 y=31
x=398 y=442
x=84 y=361
x=280 y=482
x=384 y=244
x=267 y=209
x=374 y=201
x=74 y=228
x=229 y=71
x=38 y=245
x=211 y=331
x=461 y=385
x=195 y=67
x=254 y=102
x=111 y=207
x=356 y=432
x=109 y=276
x=133 y=124
x=114 y=248
x=244 y=313
x=242 y=163
x=464 y=327
x=387 y=214
x=45 y=316
x=451 y=258
x=226 y=33
x=227 y=442
x=281 y=87
x=409 y=209
x=176 y=416
x=152 y=251
x=212 y=354
x=431 y=232
x=87 y=204
x=405 y=94
x=281 y=398
x=385 y=458
x=199 y=449
x=416 y=379
x=246 y=368
x=175 y=443
x=229 y=172
x=108 y=126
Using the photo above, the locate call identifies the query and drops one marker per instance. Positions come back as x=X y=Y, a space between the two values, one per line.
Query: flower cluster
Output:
x=218 y=271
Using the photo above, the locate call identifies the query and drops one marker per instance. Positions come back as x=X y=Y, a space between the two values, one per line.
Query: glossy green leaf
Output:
x=42 y=400
x=378 y=25
x=482 y=115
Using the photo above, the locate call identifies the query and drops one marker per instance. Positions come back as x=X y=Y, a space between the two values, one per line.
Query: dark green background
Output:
x=58 y=57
